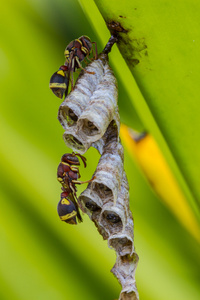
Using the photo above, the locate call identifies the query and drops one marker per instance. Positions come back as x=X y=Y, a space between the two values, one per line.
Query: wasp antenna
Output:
x=82 y=158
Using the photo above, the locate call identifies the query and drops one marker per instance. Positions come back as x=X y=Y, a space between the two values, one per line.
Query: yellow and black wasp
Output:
x=75 y=53
x=67 y=175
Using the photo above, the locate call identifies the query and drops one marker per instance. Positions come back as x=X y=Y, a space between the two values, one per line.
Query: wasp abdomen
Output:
x=67 y=211
x=59 y=82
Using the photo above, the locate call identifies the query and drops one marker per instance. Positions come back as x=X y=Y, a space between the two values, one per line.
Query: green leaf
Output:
x=162 y=56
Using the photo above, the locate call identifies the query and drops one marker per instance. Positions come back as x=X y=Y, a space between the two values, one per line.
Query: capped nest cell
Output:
x=90 y=117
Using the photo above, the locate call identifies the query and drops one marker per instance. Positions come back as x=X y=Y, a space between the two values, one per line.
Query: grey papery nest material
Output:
x=87 y=111
x=90 y=117
x=124 y=270
x=76 y=102
x=108 y=174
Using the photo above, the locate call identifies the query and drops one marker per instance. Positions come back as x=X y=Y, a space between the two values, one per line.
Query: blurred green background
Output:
x=41 y=257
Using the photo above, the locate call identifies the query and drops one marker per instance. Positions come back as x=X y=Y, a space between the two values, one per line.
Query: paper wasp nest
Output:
x=90 y=117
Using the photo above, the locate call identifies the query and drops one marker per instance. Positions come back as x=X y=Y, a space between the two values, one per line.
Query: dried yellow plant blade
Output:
x=160 y=177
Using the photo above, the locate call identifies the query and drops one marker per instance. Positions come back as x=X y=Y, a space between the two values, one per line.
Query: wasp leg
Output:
x=72 y=81
x=66 y=92
x=79 y=64
x=73 y=189
x=90 y=60
x=73 y=197
x=81 y=182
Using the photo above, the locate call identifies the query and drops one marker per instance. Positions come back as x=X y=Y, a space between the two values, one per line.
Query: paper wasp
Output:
x=67 y=175
x=75 y=53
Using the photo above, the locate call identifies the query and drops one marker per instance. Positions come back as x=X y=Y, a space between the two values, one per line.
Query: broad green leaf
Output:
x=162 y=56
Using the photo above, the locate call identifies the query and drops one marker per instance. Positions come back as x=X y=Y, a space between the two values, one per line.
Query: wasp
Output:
x=75 y=53
x=68 y=175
